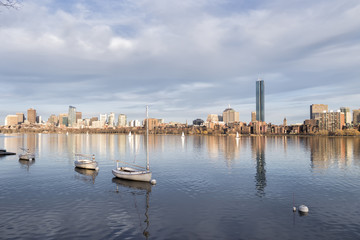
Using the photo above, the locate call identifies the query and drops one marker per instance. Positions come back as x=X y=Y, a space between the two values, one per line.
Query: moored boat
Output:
x=86 y=161
x=26 y=155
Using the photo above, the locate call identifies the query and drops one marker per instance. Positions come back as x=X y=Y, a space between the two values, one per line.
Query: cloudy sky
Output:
x=185 y=58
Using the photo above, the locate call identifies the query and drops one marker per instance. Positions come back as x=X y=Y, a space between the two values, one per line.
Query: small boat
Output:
x=26 y=155
x=136 y=173
x=129 y=134
x=86 y=161
x=182 y=135
x=237 y=135
x=3 y=152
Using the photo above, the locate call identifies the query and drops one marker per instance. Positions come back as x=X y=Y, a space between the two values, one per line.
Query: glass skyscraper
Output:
x=260 y=100
x=72 y=116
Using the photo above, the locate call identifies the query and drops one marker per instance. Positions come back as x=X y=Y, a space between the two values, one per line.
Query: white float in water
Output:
x=294 y=209
x=303 y=209
x=153 y=182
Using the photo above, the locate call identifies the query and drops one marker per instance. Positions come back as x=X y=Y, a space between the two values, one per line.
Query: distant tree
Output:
x=9 y=3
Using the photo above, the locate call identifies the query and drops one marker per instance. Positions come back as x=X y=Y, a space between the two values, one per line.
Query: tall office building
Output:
x=63 y=120
x=253 y=116
x=260 y=100
x=347 y=114
x=122 y=120
x=78 y=116
x=316 y=109
x=111 y=120
x=230 y=116
x=72 y=116
x=31 y=115
x=356 y=117
x=103 y=119
x=21 y=117
x=331 y=121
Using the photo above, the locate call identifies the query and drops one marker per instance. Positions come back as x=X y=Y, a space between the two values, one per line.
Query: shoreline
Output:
x=141 y=131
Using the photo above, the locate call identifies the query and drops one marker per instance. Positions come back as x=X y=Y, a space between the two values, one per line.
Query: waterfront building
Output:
x=356 y=117
x=103 y=119
x=134 y=123
x=230 y=116
x=21 y=117
x=285 y=122
x=331 y=121
x=63 y=120
x=316 y=109
x=31 y=115
x=111 y=120
x=93 y=119
x=11 y=120
x=78 y=116
x=347 y=115
x=38 y=119
x=122 y=120
x=253 y=116
x=72 y=116
x=53 y=120
x=214 y=118
x=153 y=122
x=260 y=100
x=96 y=124
x=87 y=122
x=161 y=121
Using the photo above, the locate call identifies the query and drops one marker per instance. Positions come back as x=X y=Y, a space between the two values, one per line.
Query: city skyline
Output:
x=185 y=59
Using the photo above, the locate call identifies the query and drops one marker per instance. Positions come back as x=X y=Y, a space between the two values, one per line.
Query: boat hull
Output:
x=86 y=164
x=142 y=176
x=27 y=157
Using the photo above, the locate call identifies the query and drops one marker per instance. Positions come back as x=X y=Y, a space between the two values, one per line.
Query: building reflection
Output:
x=258 y=151
x=226 y=147
x=339 y=151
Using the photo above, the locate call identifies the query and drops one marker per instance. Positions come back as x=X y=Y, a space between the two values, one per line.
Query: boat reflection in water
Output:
x=26 y=164
x=86 y=175
x=139 y=188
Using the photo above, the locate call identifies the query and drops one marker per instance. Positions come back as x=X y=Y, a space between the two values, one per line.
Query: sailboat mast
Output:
x=147 y=139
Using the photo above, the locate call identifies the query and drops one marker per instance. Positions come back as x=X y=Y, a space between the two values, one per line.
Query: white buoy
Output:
x=303 y=209
x=294 y=209
x=153 y=182
x=97 y=169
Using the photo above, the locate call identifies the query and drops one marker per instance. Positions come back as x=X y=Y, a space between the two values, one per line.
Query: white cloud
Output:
x=181 y=53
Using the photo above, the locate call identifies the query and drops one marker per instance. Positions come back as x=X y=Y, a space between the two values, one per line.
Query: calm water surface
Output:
x=207 y=188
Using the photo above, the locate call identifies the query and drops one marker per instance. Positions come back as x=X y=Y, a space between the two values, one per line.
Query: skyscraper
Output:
x=111 y=120
x=347 y=114
x=230 y=116
x=260 y=100
x=31 y=115
x=72 y=116
x=316 y=109
x=122 y=120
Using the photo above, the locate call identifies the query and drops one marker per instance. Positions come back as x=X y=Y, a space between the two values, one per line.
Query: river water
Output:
x=208 y=187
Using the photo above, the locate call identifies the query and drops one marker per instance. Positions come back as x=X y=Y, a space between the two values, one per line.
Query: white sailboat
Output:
x=26 y=155
x=182 y=135
x=86 y=161
x=136 y=173
x=237 y=135
x=130 y=134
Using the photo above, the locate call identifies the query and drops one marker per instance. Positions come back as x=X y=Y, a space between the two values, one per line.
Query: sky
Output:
x=185 y=59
